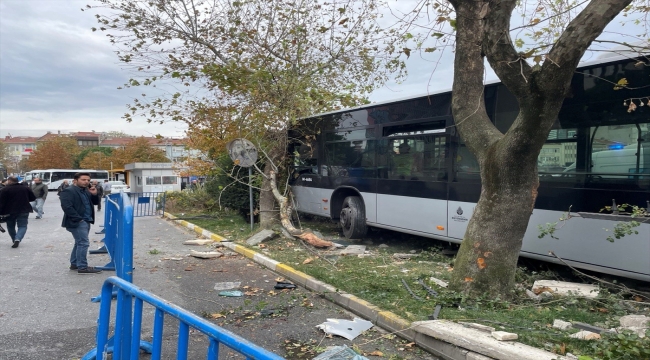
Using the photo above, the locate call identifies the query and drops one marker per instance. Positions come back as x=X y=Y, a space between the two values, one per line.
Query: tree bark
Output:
x=487 y=259
x=269 y=215
x=285 y=217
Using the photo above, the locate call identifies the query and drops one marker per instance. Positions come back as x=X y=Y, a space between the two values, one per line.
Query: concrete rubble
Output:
x=563 y=288
x=197 y=242
x=260 y=237
x=206 y=254
x=585 y=335
x=561 y=325
x=636 y=323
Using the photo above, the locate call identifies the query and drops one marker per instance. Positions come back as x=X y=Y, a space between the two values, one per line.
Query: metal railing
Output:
x=126 y=341
x=147 y=203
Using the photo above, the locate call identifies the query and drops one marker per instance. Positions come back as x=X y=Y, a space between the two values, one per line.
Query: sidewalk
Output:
x=46 y=313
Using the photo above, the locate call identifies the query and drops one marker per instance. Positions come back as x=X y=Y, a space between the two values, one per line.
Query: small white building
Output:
x=152 y=177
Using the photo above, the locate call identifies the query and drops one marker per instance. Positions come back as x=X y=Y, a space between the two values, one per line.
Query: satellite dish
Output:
x=242 y=152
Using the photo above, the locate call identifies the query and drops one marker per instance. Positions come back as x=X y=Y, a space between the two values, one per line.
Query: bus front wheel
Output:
x=353 y=218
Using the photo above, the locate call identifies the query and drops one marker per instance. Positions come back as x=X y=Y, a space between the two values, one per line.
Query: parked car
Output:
x=119 y=186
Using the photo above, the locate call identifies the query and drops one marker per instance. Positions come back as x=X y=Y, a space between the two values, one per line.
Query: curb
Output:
x=447 y=346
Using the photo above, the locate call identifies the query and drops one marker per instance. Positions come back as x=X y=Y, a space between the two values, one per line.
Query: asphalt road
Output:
x=46 y=312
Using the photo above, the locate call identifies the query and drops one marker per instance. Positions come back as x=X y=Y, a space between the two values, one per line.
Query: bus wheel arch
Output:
x=349 y=208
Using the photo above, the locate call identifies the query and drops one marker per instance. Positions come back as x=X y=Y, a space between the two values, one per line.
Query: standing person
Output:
x=100 y=193
x=78 y=214
x=106 y=187
x=15 y=201
x=64 y=185
x=40 y=191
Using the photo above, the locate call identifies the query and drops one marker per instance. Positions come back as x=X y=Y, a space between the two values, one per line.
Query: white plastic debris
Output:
x=345 y=328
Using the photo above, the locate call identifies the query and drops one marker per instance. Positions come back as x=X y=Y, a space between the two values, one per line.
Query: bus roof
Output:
x=603 y=59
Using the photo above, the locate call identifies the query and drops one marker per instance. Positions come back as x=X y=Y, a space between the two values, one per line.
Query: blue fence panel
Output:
x=126 y=339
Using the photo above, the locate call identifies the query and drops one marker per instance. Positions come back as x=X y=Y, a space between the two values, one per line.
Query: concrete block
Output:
x=260 y=237
x=440 y=348
x=363 y=308
x=635 y=321
x=479 y=342
x=484 y=328
x=206 y=254
x=395 y=324
x=353 y=250
x=297 y=277
x=585 y=335
x=197 y=242
x=316 y=285
x=266 y=261
x=504 y=336
x=439 y=282
x=475 y=356
x=564 y=288
x=562 y=325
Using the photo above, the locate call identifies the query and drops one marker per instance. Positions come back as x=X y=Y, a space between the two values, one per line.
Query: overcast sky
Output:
x=58 y=75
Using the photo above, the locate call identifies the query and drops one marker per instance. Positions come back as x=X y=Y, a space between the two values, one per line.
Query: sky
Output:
x=58 y=75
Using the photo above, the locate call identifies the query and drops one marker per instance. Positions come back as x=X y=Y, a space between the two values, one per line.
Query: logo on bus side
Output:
x=306 y=179
x=460 y=217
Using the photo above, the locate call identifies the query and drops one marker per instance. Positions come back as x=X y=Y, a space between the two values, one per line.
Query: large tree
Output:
x=59 y=152
x=137 y=150
x=269 y=62
x=539 y=77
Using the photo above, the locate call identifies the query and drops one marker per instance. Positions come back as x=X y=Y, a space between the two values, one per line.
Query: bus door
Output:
x=412 y=187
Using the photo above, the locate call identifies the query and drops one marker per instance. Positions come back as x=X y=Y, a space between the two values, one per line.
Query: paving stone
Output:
x=353 y=250
x=566 y=288
x=260 y=237
x=561 y=324
x=585 y=335
x=504 y=336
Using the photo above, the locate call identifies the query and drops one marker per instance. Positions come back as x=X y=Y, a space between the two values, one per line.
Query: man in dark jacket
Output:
x=15 y=201
x=77 y=202
x=40 y=191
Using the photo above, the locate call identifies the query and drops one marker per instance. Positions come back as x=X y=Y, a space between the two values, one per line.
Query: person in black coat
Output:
x=77 y=202
x=15 y=201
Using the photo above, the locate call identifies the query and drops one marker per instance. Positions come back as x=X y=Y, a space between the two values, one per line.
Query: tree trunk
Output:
x=487 y=258
x=486 y=262
x=269 y=215
x=285 y=217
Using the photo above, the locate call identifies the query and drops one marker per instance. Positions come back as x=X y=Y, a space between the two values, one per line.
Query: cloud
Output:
x=59 y=75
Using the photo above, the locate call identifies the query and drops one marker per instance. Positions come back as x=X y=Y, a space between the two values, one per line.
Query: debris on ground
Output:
x=636 y=323
x=563 y=288
x=441 y=283
x=504 y=336
x=345 y=328
x=561 y=324
x=231 y=293
x=284 y=285
x=404 y=256
x=340 y=353
x=585 y=335
x=261 y=236
x=206 y=254
x=353 y=250
x=484 y=328
x=197 y=242
x=227 y=285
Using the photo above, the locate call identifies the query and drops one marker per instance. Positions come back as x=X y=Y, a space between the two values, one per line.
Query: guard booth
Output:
x=152 y=177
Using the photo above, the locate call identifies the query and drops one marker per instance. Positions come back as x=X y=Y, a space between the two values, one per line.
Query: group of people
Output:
x=78 y=202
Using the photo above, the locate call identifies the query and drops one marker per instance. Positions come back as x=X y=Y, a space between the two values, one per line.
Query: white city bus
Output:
x=53 y=178
x=401 y=165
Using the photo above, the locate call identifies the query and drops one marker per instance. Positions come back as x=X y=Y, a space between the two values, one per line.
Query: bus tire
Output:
x=353 y=218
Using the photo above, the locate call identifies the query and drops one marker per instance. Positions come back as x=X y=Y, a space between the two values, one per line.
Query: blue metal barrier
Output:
x=118 y=224
x=126 y=343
